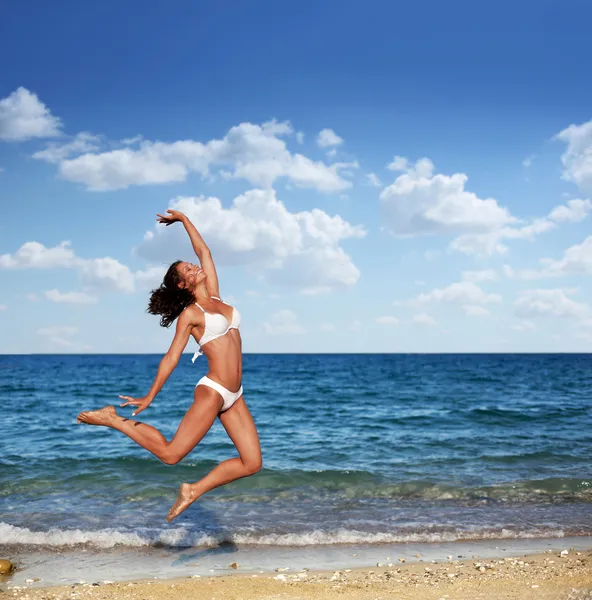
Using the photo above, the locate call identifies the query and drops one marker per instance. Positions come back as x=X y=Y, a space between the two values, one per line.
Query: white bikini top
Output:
x=216 y=326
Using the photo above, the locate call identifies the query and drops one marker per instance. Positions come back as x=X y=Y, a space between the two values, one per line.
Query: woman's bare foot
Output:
x=103 y=416
x=187 y=496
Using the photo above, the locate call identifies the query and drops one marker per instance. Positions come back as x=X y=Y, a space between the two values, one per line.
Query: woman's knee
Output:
x=253 y=465
x=171 y=456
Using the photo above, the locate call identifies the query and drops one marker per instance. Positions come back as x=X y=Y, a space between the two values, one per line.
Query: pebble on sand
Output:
x=6 y=567
x=233 y=565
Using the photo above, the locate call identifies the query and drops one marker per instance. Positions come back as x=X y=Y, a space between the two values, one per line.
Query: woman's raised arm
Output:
x=199 y=246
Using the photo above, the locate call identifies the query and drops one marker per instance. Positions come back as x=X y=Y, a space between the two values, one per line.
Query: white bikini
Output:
x=217 y=325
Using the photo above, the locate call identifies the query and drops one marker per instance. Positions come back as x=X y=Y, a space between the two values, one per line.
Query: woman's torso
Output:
x=224 y=353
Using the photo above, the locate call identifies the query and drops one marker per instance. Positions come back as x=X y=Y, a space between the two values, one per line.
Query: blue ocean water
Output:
x=356 y=448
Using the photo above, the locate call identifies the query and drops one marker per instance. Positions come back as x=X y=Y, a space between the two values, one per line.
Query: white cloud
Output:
x=106 y=274
x=576 y=259
x=327 y=327
x=423 y=319
x=399 y=163
x=300 y=137
x=32 y=297
x=151 y=277
x=549 y=303
x=3 y=307
x=327 y=137
x=472 y=310
x=373 y=180
x=56 y=152
x=283 y=322
x=486 y=244
x=419 y=203
x=58 y=331
x=574 y=210
x=23 y=116
x=524 y=325
x=118 y=169
x=96 y=274
x=69 y=297
x=527 y=162
x=387 y=320
x=34 y=255
x=298 y=249
x=59 y=336
x=257 y=153
x=462 y=292
x=577 y=158
x=477 y=276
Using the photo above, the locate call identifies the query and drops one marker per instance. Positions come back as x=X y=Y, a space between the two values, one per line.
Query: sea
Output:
x=358 y=449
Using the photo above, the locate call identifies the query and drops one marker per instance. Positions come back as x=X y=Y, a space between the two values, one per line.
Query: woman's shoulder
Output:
x=191 y=313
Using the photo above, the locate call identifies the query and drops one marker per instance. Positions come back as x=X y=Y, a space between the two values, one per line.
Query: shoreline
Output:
x=46 y=568
x=550 y=575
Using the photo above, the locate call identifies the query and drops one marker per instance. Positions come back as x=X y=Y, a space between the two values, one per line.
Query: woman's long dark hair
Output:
x=169 y=300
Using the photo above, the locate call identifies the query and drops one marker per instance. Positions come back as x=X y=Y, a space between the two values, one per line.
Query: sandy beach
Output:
x=544 y=576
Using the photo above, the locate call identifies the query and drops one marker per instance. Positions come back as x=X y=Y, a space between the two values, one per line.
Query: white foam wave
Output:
x=108 y=538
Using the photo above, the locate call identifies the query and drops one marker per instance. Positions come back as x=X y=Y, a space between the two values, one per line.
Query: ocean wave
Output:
x=181 y=538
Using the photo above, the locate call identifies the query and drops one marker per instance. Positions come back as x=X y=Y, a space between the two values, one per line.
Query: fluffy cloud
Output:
x=283 y=322
x=577 y=158
x=60 y=337
x=573 y=211
x=23 y=116
x=486 y=244
x=56 y=153
x=549 y=303
x=462 y=292
x=97 y=274
x=106 y=274
x=419 y=202
x=327 y=137
x=300 y=249
x=257 y=153
x=373 y=180
x=477 y=276
x=576 y=260
x=33 y=255
x=387 y=320
x=423 y=319
x=69 y=297
x=150 y=278
x=524 y=325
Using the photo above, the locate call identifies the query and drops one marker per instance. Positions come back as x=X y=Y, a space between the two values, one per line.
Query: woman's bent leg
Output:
x=193 y=427
x=241 y=429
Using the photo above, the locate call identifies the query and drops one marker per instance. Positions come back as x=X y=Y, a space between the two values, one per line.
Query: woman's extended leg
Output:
x=194 y=425
x=239 y=425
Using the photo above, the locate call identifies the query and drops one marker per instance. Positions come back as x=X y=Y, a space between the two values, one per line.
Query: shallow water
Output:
x=356 y=449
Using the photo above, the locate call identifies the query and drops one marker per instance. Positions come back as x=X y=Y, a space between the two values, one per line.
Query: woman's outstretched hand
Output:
x=172 y=218
x=141 y=403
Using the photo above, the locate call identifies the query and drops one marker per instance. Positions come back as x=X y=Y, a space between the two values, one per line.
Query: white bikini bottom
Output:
x=229 y=397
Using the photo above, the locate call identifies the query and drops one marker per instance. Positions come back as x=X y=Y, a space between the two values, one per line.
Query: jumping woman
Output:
x=189 y=293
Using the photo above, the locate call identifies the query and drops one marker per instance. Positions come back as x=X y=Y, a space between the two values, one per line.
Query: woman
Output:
x=189 y=293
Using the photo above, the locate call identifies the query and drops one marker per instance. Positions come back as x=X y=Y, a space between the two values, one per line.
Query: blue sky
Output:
x=371 y=177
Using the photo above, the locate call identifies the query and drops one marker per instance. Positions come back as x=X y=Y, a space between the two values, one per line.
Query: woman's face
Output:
x=190 y=274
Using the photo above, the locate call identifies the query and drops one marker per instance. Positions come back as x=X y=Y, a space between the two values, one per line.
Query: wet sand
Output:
x=544 y=576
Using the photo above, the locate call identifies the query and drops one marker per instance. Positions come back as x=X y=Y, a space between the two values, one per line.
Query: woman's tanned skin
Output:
x=224 y=356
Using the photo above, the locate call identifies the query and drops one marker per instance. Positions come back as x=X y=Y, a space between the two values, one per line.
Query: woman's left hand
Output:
x=172 y=218
x=141 y=403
